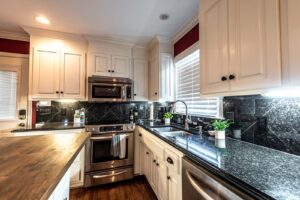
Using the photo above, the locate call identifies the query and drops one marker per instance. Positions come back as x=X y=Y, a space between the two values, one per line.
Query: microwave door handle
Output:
x=197 y=187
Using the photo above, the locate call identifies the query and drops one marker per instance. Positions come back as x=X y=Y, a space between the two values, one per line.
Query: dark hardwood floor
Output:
x=135 y=189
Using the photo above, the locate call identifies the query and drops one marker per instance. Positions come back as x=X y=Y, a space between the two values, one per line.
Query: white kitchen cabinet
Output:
x=164 y=178
x=45 y=73
x=161 y=70
x=62 y=190
x=106 y=64
x=214 y=59
x=57 y=68
x=120 y=66
x=77 y=170
x=174 y=186
x=290 y=30
x=240 y=45
x=154 y=79
x=102 y=64
x=72 y=71
x=140 y=75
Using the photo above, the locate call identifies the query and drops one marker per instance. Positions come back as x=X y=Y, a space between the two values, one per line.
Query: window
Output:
x=187 y=88
x=8 y=95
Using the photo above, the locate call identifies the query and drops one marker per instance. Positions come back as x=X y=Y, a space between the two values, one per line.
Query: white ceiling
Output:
x=132 y=20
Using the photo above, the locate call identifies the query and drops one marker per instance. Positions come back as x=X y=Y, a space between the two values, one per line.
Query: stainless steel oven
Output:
x=100 y=165
x=109 y=89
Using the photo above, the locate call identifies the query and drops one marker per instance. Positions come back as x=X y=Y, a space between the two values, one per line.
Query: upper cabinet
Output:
x=160 y=70
x=140 y=73
x=57 y=65
x=240 y=45
x=109 y=58
x=290 y=30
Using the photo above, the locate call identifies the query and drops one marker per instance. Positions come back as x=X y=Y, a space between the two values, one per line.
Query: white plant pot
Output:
x=167 y=121
x=220 y=135
x=237 y=133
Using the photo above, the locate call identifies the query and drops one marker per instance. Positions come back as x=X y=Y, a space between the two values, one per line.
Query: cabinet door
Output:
x=162 y=181
x=140 y=74
x=290 y=29
x=120 y=66
x=77 y=170
x=101 y=64
x=153 y=173
x=214 y=44
x=254 y=44
x=174 y=186
x=147 y=163
x=72 y=70
x=137 y=152
x=154 y=79
x=45 y=74
x=167 y=74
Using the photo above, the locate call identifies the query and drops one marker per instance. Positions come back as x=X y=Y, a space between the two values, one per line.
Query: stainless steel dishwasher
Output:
x=199 y=184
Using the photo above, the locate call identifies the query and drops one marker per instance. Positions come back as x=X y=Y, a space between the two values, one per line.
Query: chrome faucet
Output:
x=187 y=120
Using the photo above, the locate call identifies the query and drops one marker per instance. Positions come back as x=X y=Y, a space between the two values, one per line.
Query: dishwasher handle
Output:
x=197 y=187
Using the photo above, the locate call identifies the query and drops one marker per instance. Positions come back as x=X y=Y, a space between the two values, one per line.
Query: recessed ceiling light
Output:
x=42 y=20
x=164 y=16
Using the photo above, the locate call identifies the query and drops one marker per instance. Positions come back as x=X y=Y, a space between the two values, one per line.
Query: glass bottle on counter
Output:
x=82 y=116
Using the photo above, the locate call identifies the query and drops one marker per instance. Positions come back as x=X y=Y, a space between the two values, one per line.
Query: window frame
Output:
x=17 y=69
x=180 y=56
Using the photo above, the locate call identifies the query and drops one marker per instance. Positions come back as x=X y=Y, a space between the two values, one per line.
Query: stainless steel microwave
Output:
x=102 y=88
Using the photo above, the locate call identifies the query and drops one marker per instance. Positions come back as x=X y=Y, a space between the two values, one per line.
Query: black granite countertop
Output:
x=262 y=172
x=52 y=126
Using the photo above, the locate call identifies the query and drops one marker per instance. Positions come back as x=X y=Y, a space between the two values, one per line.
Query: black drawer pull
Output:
x=147 y=153
x=154 y=161
x=169 y=160
x=157 y=164
x=168 y=177
x=140 y=135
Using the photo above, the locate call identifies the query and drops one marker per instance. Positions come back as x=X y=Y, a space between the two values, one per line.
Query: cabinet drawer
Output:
x=172 y=160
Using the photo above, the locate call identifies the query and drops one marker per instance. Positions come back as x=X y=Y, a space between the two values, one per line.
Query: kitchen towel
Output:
x=122 y=152
x=115 y=146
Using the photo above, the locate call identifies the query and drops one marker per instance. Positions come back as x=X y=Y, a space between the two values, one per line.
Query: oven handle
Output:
x=109 y=175
x=100 y=138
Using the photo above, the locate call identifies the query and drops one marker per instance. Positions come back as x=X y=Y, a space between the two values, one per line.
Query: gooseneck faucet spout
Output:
x=186 y=122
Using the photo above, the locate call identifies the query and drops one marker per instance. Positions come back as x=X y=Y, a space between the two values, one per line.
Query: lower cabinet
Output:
x=77 y=170
x=62 y=190
x=164 y=178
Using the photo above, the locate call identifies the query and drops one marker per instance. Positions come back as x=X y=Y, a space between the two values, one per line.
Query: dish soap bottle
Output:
x=82 y=116
x=77 y=117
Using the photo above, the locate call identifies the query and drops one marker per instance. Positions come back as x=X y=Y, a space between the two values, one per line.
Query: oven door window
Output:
x=107 y=91
x=101 y=151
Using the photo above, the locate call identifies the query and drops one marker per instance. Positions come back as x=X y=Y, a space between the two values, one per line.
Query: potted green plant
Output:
x=167 y=117
x=220 y=127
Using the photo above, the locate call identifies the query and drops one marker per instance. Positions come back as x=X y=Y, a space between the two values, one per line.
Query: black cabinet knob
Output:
x=147 y=153
x=224 y=78
x=154 y=161
x=134 y=94
x=140 y=135
x=231 y=77
x=155 y=93
x=157 y=164
x=61 y=92
x=169 y=160
x=113 y=71
x=57 y=92
x=168 y=177
x=108 y=70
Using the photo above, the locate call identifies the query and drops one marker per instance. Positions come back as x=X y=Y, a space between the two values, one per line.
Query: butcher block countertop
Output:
x=32 y=166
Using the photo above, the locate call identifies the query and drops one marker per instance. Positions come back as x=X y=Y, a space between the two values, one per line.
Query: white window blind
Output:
x=187 y=79
x=8 y=95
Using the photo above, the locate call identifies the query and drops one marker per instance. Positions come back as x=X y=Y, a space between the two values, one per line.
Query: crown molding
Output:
x=159 y=39
x=52 y=34
x=14 y=36
x=111 y=40
x=185 y=28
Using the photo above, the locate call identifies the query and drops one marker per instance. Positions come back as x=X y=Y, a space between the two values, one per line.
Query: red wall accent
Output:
x=14 y=46
x=33 y=114
x=187 y=40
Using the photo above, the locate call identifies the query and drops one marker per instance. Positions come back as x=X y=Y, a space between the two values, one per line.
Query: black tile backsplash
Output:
x=99 y=113
x=270 y=122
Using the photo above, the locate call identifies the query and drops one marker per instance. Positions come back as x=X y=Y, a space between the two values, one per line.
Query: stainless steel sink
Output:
x=171 y=131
